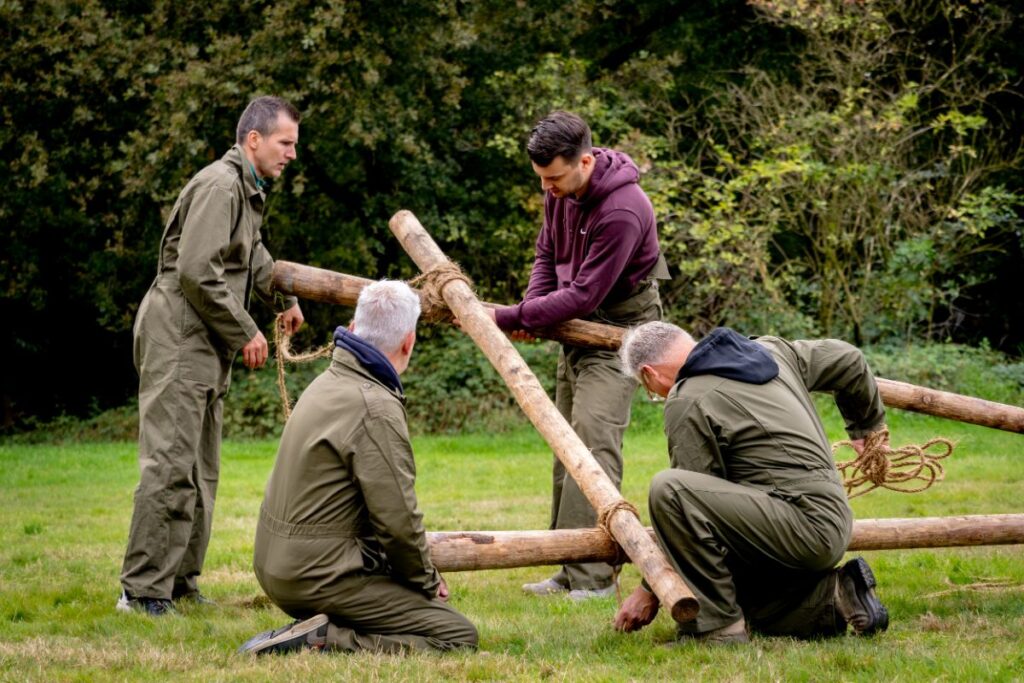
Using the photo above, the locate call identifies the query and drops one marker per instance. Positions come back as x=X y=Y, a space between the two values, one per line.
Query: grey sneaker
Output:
x=310 y=634
x=856 y=601
x=734 y=633
x=545 y=587
x=581 y=594
x=154 y=607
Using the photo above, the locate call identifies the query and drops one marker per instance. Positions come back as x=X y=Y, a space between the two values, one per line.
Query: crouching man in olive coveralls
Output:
x=753 y=514
x=340 y=542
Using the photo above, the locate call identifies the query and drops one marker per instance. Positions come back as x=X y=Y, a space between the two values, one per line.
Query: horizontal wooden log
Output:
x=454 y=551
x=327 y=286
x=317 y=284
x=951 y=406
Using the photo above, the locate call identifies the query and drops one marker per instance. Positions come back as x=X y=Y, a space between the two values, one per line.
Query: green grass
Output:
x=64 y=514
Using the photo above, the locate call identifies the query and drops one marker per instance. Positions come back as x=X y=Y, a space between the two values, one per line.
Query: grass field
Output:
x=957 y=614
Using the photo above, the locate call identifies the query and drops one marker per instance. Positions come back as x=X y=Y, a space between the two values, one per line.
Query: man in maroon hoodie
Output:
x=597 y=258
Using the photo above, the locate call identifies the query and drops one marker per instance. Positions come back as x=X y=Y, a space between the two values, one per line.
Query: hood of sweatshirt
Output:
x=375 y=362
x=612 y=170
x=726 y=353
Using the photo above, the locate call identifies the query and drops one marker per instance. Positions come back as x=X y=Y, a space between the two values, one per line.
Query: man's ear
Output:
x=408 y=343
x=252 y=139
x=587 y=160
x=352 y=327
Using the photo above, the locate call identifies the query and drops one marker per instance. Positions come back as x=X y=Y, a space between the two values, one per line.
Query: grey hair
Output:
x=647 y=345
x=261 y=116
x=386 y=312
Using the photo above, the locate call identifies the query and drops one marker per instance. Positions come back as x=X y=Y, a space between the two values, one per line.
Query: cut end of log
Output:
x=685 y=610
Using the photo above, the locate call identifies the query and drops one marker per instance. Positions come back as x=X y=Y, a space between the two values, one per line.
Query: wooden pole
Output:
x=326 y=286
x=534 y=401
x=454 y=551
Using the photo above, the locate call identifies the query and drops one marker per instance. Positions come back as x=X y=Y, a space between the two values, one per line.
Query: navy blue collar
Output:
x=375 y=362
x=726 y=353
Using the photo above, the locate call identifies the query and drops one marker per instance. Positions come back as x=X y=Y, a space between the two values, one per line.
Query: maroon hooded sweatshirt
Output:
x=590 y=250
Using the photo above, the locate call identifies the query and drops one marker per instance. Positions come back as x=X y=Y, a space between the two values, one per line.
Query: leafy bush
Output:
x=973 y=371
x=452 y=387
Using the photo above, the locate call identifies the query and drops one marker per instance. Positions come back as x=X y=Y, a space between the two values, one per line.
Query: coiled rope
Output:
x=881 y=466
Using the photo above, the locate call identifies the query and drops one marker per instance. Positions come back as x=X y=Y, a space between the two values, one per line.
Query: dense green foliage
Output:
x=817 y=167
x=446 y=397
x=956 y=613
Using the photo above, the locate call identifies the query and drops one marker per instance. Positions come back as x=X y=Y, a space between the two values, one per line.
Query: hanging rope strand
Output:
x=282 y=353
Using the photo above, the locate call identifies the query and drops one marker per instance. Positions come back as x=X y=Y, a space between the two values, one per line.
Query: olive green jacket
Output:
x=769 y=436
x=212 y=258
x=340 y=499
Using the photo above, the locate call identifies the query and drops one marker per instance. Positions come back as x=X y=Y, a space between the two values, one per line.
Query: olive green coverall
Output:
x=340 y=532
x=753 y=514
x=189 y=326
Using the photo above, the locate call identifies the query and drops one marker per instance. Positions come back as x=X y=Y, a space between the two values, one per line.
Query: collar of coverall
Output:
x=375 y=362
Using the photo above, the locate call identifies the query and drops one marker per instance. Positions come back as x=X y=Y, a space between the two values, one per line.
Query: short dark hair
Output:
x=261 y=116
x=559 y=134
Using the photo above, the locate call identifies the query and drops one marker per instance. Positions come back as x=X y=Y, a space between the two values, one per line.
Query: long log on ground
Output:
x=454 y=551
x=570 y=450
x=317 y=284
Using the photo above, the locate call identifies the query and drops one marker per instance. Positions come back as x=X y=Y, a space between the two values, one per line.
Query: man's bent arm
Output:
x=386 y=473
x=614 y=244
x=205 y=235
x=840 y=368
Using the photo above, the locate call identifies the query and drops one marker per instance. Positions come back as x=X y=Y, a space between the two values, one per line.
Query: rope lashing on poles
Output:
x=431 y=283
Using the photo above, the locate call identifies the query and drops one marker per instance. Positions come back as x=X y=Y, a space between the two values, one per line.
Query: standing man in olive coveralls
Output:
x=340 y=542
x=191 y=323
x=753 y=514
x=597 y=258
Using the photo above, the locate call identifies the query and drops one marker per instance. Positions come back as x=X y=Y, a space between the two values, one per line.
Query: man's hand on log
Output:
x=514 y=335
x=638 y=610
x=442 y=590
x=291 y=320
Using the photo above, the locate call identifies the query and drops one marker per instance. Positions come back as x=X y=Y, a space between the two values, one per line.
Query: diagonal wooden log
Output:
x=327 y=286
x=570 y=450
x=455 y=551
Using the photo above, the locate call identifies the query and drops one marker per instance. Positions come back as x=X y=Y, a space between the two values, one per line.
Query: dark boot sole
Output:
x=864 y=582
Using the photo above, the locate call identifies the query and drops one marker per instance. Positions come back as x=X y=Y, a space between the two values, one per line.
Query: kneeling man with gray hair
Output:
x=753 y=513
x=340 y=544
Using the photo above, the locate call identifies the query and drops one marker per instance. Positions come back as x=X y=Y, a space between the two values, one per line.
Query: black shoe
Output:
x=856 y=600
x=299 y=635
x=154 y=607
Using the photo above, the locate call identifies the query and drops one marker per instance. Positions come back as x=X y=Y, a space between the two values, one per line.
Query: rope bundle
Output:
x=881 y=466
